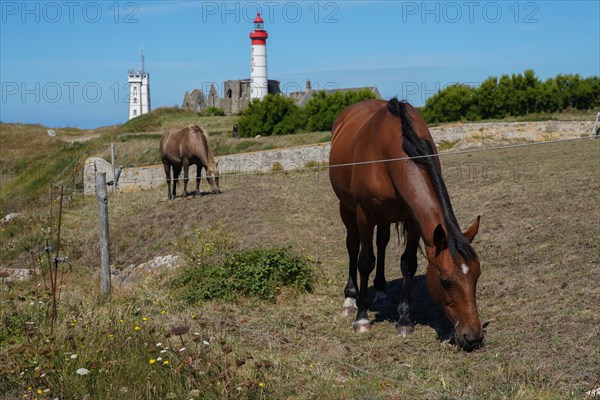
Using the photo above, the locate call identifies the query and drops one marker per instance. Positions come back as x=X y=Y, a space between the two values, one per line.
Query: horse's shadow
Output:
x=423 y=310
x=193 y=194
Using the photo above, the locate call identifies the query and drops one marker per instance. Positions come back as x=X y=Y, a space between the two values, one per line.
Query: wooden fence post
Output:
x=102 y=197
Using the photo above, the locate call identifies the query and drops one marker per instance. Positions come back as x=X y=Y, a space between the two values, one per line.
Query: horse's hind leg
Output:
x=408 y=265
x=176 y=172
x=353 y=247
x=383 y=238
x=167 y=167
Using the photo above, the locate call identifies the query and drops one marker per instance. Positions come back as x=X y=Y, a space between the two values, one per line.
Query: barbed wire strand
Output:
x=293 y=344
x=357 y=163
x=322 y=167
x=65 y=169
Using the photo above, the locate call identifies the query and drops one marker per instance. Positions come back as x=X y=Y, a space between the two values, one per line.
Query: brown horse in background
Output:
x=377 y=185
x=180 y=148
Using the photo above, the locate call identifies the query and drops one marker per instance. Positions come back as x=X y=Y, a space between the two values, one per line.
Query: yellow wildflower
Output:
x=137 y=328
x=152 y=361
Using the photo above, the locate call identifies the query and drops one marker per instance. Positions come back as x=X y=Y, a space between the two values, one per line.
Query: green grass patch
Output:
x=214 y=271
x=446 y=145
x=154 y=119
x=258 y=272
x=245 y=145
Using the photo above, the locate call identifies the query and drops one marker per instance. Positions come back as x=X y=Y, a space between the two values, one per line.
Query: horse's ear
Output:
x=472 y=230
x=439 y=238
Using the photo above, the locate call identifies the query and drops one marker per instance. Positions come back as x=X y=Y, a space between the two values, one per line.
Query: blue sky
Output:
x=64 y=63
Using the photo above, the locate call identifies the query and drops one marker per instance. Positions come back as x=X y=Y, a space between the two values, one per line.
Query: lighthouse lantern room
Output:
x=259 y=85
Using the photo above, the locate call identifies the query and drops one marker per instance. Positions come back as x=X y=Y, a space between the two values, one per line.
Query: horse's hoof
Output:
x=349 y=307
x=361 y=326
x=405 y=330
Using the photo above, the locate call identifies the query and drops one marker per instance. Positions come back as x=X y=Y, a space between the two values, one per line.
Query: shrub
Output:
x=279 y=115
x=276 y=166
x=212 y=112
x=512 y=95
x=214 y=272
x=321 y=110
x=273 y=115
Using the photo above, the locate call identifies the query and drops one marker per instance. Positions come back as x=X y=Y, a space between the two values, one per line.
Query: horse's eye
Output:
x=447 y=284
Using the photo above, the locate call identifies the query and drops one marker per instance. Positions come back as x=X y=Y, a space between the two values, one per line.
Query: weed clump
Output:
x=256 y=272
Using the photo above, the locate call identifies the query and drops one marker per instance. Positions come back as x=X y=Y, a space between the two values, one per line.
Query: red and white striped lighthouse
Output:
x=259 y=85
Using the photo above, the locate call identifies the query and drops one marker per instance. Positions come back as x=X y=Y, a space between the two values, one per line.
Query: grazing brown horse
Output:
x=180 y=148
x=377 y=185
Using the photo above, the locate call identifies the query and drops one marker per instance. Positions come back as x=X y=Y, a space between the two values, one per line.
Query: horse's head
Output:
x=452 y=283
x=212 y=176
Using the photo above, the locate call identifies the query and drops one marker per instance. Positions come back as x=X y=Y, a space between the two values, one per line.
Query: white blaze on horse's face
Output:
x=465 y=268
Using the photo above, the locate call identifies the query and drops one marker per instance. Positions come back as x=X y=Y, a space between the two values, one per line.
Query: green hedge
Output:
x=514 y=95
x=279 y=115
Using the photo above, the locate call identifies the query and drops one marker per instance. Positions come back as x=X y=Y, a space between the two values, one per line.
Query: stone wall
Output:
x=151 y=176
x=460 y=135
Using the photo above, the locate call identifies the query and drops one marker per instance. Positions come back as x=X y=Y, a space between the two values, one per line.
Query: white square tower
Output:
x=139 y=91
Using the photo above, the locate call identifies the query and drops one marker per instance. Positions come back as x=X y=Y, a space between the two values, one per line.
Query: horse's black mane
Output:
x=414 y=146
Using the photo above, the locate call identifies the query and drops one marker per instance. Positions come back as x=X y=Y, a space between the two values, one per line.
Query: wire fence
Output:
x=301 y=167
x=67 y=179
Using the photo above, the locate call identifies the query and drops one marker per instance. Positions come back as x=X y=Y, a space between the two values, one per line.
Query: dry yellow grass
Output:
x=538 y=291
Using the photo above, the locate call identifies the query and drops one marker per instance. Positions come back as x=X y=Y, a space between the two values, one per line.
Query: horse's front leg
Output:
x=198 y=178
x=366 y=264
x=383 y=238
x=408 y=265
x=353 y=247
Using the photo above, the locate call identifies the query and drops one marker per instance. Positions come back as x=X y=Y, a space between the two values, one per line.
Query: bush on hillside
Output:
x=259 y=272
x=322 y=109
x=279 y=115
x=212 y=112
x=273 y=115
x=214 y=271
x=515 y=95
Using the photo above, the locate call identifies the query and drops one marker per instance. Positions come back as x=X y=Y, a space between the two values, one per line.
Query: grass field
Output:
x=30 y=159
x=538 y=295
